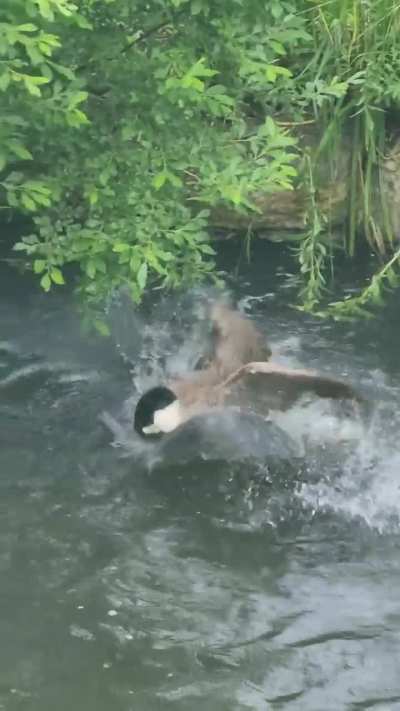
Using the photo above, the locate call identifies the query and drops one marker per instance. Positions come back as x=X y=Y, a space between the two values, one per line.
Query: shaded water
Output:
x=207 y=585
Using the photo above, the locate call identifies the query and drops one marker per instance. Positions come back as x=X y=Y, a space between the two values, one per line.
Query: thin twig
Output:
x=295 y=123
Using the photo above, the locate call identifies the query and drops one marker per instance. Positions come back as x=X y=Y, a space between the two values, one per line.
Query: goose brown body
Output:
x=240 y=366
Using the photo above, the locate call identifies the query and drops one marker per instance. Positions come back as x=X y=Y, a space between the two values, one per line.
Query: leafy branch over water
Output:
x=125 y=123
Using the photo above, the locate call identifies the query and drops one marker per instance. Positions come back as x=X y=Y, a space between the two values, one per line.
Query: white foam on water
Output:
x=315 y=422
x=368 y=486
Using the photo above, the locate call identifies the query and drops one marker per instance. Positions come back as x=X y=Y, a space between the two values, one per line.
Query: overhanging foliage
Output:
x=125 y=122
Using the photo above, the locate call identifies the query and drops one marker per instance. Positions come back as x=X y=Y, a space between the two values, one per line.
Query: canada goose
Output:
x=231 y=377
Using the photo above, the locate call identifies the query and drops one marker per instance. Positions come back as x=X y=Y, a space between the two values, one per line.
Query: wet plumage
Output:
x=239 y=373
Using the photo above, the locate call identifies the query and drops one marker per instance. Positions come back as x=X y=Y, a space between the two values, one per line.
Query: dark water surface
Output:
x=202 y=585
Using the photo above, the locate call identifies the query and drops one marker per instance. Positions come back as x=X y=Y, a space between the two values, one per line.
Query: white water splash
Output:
x=364 y=482
x=368 y=487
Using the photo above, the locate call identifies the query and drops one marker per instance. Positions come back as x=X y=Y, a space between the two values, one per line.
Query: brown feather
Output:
x=280 y=387
x=236 y=341
x=239 y=371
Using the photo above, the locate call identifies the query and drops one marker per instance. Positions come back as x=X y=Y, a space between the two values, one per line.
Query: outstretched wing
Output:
x=279 y=387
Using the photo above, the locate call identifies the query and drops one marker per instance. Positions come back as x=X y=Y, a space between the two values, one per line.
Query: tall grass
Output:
x=355 y=63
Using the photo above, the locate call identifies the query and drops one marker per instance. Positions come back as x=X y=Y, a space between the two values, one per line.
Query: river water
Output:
x=203 y=584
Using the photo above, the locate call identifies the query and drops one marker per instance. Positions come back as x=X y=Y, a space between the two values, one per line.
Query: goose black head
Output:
x=157 y=412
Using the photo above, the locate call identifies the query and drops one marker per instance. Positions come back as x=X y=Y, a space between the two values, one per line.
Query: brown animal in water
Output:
x=237 y=340
x=238 y=373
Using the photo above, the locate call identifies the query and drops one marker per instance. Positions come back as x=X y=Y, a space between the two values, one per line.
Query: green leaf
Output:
x=19 y=150
x=232 y=193
x=5 y=79
x=101 y=327
x=36 y=57
x=45 y=10
x=76 y=118
x=276 y=9
x=191 y=82
x=12 y=198
x=135 y=293
x=39 y=265
x=91 y=269
x=37 y=187
x=20 y=247
x=270 y=72
x=134 y=262
x=28 y=202
x=206 y=249
x=100 y=265
x=27 y=27
x=82 y=22
x=159 y=180
x=392 y=278
x=175 y=180
x=142 y=276
x=278 y=47
x=270 y=126
x=104 y=177
x=77 y=98
x=32 y=84
x=165 y=256
x=36 y=80
x=93 y=196
x=57 y=275
x=45 y=282
x=121 y=247
x=64 y=71
x=337 y=88
x=196 y=7
x=200 y=70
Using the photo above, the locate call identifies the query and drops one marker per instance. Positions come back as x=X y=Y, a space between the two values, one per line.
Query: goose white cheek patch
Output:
x=151 y=429
x=165 y=420
x=169 y=418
